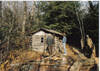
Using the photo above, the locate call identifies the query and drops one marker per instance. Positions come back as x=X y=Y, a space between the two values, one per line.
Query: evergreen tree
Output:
x=61 y=16
x=91 y=22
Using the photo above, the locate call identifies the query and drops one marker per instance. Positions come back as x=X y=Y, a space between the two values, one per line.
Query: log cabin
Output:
x=38 y=40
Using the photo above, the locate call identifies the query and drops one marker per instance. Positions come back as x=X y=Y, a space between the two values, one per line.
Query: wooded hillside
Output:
x=76 y=19
x=19 y=18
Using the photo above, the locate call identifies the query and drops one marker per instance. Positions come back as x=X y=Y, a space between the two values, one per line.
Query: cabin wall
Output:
x=58 y=44
x=36 y=41
x=37 y=45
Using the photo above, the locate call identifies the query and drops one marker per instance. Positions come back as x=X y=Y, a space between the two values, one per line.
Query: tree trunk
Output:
x=24 y=20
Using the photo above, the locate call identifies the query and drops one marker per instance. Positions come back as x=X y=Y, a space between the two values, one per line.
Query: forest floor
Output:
x=28 y=60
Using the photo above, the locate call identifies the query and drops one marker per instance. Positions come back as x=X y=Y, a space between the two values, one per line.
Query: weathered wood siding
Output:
x=58 y=44
x=36 y=41
x=41 y=46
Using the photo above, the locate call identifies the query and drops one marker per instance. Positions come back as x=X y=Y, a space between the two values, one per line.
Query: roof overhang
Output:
x=46 y=30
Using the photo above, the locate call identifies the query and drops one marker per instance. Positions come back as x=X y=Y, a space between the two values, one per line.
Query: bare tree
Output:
x=24 y=20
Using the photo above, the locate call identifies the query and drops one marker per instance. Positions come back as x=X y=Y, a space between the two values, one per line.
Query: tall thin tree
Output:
x=24 y=19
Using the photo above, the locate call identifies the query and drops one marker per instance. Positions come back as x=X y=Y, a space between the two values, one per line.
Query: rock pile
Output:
x=33 y=61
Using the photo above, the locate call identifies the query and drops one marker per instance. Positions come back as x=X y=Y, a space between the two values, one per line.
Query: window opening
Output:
x=41 y=39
